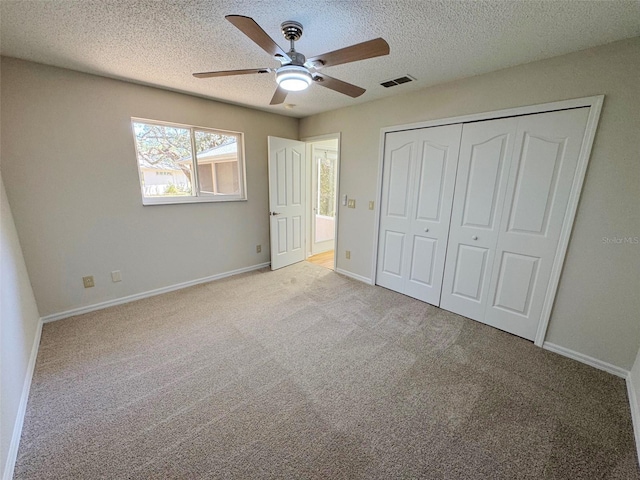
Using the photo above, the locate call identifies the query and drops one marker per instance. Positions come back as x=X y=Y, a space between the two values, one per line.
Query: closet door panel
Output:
x=486 y=162
x=415 y=214
x=471 y=264
x=545 y=159
x=395 y=212
x=434 y=182
x=422 y=261
x=480 y=187
x=431 y=181
x=393 y=253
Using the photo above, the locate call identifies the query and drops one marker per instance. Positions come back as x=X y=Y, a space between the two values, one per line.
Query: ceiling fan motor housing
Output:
x=291 y=30
x=296 y=58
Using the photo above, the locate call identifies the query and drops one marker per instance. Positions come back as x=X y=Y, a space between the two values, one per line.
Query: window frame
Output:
x=197 y=196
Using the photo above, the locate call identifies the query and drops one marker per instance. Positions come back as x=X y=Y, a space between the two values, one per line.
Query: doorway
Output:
x=324 y=167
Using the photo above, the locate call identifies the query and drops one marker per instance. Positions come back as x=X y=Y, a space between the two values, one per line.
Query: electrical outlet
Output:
x=258 y=248
x=371 y=205
x=88 y=281
x=348 y=254
x=116 y=276
x=352 y=203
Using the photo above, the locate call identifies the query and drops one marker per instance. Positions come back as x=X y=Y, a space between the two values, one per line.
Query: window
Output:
x=186 y=164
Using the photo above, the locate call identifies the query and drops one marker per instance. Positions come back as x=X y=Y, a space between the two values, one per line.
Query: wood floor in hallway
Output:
x=324 y=259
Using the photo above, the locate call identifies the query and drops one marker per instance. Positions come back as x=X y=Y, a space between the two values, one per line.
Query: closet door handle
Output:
x=475 y=237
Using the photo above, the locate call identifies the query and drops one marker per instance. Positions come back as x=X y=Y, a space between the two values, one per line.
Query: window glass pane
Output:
x=218 y=166
x=326 y=186
x=164 y=159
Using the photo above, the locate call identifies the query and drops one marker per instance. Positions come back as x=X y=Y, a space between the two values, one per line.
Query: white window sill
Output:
x=202 y=199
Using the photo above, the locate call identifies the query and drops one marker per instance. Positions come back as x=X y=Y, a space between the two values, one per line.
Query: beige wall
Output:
x=596 y=308
x=70 y=172
x=18 y=329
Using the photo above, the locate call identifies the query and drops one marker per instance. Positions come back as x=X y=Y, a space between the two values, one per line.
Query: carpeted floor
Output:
x=303 y=373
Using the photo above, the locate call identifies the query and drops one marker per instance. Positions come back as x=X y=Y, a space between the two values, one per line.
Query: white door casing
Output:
x=287 y=201
x=417 y=190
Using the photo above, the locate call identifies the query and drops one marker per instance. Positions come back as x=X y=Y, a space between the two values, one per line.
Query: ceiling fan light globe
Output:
x=293 y=78
x=294 y=84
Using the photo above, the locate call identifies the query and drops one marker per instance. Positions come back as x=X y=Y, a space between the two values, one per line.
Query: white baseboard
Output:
x=22 y=407
x=354 y=276
x=635 y=412
x=594 y=362
x=150 y=293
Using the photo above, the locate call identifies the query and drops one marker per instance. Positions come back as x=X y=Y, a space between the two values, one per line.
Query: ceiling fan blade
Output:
x=361 y=51
x=279 y=96
x=251 y=29
x=227 y=73
x=338 y=85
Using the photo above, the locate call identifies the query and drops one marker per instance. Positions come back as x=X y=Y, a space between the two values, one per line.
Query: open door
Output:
x=287 y=205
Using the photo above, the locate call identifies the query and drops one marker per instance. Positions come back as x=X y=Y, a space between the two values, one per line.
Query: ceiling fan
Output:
x=297 y=72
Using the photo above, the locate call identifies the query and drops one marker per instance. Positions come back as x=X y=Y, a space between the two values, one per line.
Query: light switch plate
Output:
x=352 y=203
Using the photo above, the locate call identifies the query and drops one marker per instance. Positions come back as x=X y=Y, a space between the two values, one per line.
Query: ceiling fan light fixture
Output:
x=293 y=78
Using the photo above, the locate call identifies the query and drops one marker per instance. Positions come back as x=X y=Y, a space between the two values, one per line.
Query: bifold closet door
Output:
x=418 y=180
x=540 y=182
x=483 y=168
x=515 y=177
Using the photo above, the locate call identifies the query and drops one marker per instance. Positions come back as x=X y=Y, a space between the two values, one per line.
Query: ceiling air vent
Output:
x=397 y=81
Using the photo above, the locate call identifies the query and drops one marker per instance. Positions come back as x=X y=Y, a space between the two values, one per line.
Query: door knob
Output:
x=426 y=229
x=475 y=237
x=274 y=213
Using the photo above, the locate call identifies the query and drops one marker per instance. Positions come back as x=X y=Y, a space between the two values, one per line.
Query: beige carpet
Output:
x=303 y=373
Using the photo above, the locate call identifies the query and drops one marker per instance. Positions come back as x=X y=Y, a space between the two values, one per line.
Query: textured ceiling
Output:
x=161 y=43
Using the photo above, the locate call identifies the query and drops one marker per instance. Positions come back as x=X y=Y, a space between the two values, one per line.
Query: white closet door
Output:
x=417 y=191
x=541 y=176
x=481 y=184
x=515 y=177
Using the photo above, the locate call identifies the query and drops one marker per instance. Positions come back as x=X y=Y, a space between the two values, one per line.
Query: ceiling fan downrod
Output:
x=293 y=76
x=292 y=31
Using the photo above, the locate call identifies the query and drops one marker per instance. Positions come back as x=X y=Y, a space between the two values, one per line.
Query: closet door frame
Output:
x=595 y=107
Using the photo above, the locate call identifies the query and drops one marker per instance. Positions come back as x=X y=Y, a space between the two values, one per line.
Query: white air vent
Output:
x=397 y=81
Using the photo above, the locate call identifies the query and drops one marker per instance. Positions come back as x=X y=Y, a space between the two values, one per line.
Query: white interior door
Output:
x=287 y=206
x=483 y=167
x=418 y=180
x=324 y=197
x=547 y=147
